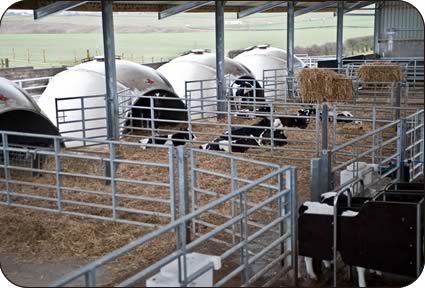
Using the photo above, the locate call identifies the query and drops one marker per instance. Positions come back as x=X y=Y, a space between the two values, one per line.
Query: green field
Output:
x=143 y=37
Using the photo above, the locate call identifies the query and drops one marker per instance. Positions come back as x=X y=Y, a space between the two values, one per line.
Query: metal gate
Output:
x=255 y=240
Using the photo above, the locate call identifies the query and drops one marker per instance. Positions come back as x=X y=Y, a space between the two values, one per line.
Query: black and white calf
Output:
x=325 y=207
x=176 y=139
x=290 y=121
x=341 y=116
x=245 y=92
x=242 y=137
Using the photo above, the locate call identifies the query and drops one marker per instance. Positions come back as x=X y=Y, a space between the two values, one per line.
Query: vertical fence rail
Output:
x=112 y=167
x=6 y=164
x=58 y=169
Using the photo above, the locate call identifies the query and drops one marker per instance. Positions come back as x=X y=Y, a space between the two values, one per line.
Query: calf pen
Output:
x=384 y=214
x=146 y=181
x=379 y=146
x=206 y=124
x=245 y=207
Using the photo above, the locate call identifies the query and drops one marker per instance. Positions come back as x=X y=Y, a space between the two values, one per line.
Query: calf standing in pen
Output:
x=325 y=207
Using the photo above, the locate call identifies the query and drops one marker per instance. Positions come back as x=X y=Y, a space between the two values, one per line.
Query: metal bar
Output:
x=290 y=40
x=401 y=133
x=112 y=167
x=58 y=180
x=357 y=6
x=83 y=120
x=317 y=129
x=315 y=179
x=219 y=52
x=57 y=114
x=325 y=169
x=339 y=33
x=260 y=8
x=335 y=219
x=5 y=145
x=183 y=189
x=234 y=185
x=377 y=28
x=171 y=171
x=281 y=213
x=325 y=119
x=55 y=7
x=294 y=224
x=113 y=129
x=313 y=8
x=334 y=125
x=182 y=8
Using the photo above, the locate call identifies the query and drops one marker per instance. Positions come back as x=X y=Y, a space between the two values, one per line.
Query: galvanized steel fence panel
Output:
x=108 y=183
x=250 y=248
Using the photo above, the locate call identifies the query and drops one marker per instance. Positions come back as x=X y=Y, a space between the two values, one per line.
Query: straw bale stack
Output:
x=323 y=85
x=380 y=72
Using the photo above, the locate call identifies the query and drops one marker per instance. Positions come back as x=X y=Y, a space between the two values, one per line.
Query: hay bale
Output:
x=380 y=72
x=322 y=85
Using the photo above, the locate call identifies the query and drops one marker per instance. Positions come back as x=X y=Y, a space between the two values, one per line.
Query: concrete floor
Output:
x=26 y=273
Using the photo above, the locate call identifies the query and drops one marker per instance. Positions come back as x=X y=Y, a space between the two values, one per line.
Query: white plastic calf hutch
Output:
x=263 y=57
x=268 y=64
x=19 y=113
x=75 y=99
x=196 y=72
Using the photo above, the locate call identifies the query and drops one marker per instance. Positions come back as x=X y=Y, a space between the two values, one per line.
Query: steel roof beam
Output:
x=313 y=8
x=56 y=7
x=357 y=6
x=261 y=8
x=182 y=8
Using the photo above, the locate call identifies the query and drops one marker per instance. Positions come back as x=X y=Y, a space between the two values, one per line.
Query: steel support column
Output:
x=219 y=53
x=113 y=131
x=339 y=32
x=290 y=37
x=377 y=28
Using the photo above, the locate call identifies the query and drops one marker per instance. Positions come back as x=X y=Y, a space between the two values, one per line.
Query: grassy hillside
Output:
x=59 y=40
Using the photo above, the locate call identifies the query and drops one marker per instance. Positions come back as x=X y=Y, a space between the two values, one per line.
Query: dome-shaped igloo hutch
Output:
x=269 y=66
x=264 y=57
x=19 y=113
x=136 y=82
x=188 y=70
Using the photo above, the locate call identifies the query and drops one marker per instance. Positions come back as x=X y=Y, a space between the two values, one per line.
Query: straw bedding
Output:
x=380 y=72
x=42 y=236
x=321 y=85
